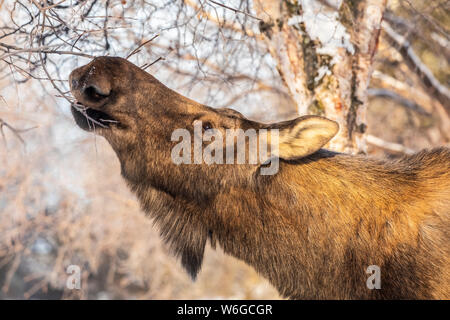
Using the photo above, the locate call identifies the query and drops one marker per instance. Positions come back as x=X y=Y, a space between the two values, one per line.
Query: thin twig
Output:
x=29 y=50
x=385 y=93
x=388 y=146
x=235 y=10
x=145 y=66
x=16 y=132
x=140 y=46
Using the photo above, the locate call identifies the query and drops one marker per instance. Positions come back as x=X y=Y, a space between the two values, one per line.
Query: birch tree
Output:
x=324 y=50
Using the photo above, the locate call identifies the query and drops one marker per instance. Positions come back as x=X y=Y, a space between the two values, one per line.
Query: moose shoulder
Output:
x=312 y=229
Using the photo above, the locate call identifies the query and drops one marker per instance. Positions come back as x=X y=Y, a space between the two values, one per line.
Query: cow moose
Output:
x=312 y=229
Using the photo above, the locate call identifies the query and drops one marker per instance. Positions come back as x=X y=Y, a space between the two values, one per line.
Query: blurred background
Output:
x=62 y=199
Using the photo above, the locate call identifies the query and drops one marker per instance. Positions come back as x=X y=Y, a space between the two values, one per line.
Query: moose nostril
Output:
x=74 y=83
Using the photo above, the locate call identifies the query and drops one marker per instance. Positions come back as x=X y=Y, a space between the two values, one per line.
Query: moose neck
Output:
x=323 y=219
x=319 y=219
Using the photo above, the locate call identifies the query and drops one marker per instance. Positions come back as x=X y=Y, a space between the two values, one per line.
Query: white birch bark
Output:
x=324 y=51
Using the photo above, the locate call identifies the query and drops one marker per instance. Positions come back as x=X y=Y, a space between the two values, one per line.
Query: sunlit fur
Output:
x=312 y=229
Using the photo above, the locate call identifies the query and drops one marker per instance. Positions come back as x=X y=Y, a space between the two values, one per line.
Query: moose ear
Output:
x=303 y=136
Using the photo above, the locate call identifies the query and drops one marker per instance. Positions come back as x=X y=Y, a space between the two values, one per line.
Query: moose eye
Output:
x=94 y=94
x=207 y=126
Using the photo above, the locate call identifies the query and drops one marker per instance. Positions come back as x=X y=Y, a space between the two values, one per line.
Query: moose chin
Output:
x=314 y=228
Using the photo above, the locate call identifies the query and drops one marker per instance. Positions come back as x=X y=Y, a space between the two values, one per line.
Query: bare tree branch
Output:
x=388 y=146
x=411 y=105
x=16 y=132
x=235 y=10
x=431 y=84
x=140 y=46
x=399 y=23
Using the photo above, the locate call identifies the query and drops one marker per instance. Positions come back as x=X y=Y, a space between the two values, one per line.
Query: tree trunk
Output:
x=324 y=52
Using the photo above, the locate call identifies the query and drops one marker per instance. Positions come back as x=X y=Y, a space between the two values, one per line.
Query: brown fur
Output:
x=312 y=229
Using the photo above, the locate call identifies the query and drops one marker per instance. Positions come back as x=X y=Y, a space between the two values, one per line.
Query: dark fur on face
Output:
x=312 y=229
